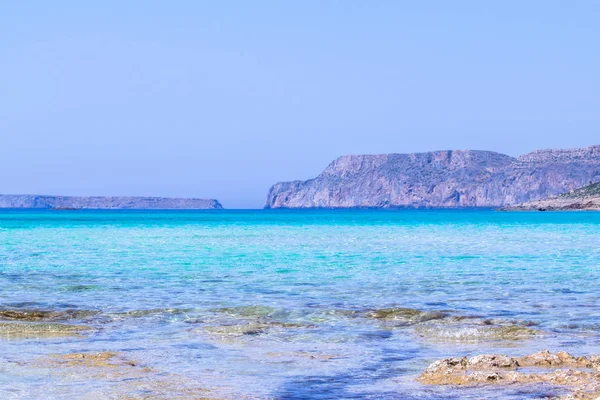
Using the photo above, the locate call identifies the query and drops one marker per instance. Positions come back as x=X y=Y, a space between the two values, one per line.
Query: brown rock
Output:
x=494 y=369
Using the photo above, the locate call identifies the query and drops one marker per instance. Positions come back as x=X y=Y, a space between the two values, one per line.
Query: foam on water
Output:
x=290 y=304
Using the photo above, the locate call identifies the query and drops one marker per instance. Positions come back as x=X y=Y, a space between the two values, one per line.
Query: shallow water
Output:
x=280 y=304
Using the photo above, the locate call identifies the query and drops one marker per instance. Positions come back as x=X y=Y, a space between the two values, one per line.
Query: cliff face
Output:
x=585 y=198
x=101 y=202
x=440 y=179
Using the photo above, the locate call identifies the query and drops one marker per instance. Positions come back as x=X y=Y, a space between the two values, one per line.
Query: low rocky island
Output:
x=586 y=198
x=440 y=179
x=106 y=203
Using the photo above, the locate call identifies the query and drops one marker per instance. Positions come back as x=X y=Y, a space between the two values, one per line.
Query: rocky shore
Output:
x=240 y=326
x=106 y=202
x=586 y=198
x=580 y=374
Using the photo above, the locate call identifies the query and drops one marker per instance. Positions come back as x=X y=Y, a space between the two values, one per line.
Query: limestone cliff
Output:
x=459 y=178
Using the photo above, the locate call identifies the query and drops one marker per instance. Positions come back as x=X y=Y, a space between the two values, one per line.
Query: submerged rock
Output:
x=39 y=330
x=443 y=326
x=237 y=330
x=102 y=359
x=249 y=321
x=331 y=315
x=44 y=315
x=149 y=312
x=289 y=325
x=406 y=315
x=562 y=369
x=474 y=332
x=254 y=328
x=116 y=376
x=247 y=311
x=304 y=354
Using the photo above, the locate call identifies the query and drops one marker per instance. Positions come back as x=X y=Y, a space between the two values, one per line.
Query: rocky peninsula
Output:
x=586 y=198
x=106 y=202
x=444 y=179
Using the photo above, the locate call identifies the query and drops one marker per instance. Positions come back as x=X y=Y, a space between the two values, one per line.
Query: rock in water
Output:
x=459 y=178
x=17 y=330
x=580 y=374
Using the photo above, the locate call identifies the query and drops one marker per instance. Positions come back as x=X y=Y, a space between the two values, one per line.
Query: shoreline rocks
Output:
x=586 y=198
x=581 y=374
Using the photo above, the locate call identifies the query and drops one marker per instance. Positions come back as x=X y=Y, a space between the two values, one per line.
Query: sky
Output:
x=222 y=99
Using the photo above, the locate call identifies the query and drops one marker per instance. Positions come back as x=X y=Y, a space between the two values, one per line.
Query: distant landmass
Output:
x=585 y=198
x=453 y=178
x=105 y=203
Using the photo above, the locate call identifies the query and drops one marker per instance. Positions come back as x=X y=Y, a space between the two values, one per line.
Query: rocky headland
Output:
x=106 y=202
x=586 y=198
x=444 y=179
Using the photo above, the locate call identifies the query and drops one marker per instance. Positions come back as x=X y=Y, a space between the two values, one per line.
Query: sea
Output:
x=287 y=304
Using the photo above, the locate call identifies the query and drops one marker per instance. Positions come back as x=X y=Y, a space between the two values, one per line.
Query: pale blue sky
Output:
x=223 y=98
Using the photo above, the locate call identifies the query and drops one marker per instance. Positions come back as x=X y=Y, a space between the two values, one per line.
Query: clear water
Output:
x=312 y=278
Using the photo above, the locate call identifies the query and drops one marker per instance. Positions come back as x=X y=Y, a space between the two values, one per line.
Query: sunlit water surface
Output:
x=174 y=291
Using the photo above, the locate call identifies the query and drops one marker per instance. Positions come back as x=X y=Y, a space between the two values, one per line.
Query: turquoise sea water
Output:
x=279 y=304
